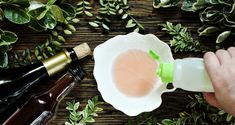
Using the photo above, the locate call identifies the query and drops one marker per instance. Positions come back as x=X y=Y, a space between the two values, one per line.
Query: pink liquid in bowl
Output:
x=134 y=73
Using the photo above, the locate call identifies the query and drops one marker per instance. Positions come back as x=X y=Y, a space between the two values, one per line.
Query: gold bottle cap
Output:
x=61 y=60
x=82 y=50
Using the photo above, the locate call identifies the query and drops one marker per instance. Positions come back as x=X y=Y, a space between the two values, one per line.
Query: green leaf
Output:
x=125 y=2
x=229 y=117
x=89 y=119
x=167 y=122
x=187 y=5
x=88 y=13
x=87 y=3
x=38 y=13
x=49 y=21
x=124 y=16
x=8 y=38
x=67 y=32
x=129 y=22
x=69 y=108
x=67 y=123
x=120 y=11
x=137 y=29
x=223 y=36
x=68 y=10
x=80 y=3
x=22 y=3
x=35 y=25
x=16 y=15
x=3 y=60
x=209 y=31
x=51 y=2
x=76 y=105
x=105 y=26
x=91 y=104
x=1 y=14
x=71 y=28
x=61 y=38
x=93 y=24
x=57 y=13
x=75 y=20
x=130 y=25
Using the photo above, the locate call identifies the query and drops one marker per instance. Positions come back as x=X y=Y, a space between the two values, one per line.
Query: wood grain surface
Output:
x=173 y=102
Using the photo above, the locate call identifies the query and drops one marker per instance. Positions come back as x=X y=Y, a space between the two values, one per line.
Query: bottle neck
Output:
x=59 y=61
x=66 y=83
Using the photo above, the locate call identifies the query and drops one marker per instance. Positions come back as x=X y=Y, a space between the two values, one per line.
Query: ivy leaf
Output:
x=22 y=3
x=39 y=13
x=57 y=13
x=16 y=15
x=187 y=5
x=49 y=21
x=208 y=31
x=8 y=38
x=35 y=25
x=3 y=60
x=68 y=10
x=223 y=36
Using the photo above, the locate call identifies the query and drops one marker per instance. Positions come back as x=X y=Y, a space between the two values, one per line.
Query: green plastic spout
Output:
x=165 y=70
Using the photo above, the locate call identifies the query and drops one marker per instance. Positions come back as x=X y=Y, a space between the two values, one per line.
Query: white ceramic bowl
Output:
x=104 y=56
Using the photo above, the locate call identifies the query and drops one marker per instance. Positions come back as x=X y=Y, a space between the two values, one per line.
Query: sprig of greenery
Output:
x=110 y=9
x=7 y=38
x=186 y=4
x=34 y=14
x=125 y=14
x=217 y=17
x=51 y=46
x=84 y=7
x=165 y=3
x=182 y=39
x=77 y=117
x=200 y=113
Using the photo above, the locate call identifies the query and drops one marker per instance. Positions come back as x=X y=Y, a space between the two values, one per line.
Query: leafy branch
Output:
x=77 y=117
x=7 y=38
x=49 y=47
x=112 y=9
x=199 y=112
x=182 y=39
x=84 y=7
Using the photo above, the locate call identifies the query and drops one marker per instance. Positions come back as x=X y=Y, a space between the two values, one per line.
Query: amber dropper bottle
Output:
x=40 y=109
x=15 y=82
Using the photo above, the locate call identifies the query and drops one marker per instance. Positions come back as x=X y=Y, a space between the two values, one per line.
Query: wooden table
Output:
x=146 y=15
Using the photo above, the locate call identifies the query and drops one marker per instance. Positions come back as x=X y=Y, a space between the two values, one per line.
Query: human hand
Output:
x=221 y=70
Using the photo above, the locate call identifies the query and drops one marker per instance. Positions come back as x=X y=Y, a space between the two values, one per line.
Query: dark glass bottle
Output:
x=17 y=81
x=39 y=109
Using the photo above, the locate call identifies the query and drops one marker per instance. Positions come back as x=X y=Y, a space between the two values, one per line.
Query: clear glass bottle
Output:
x=40 y=109
x=15 y=82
